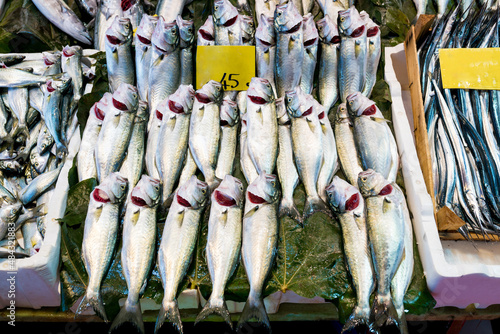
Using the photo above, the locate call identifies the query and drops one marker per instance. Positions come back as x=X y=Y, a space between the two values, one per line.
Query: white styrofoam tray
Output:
x=458 y=273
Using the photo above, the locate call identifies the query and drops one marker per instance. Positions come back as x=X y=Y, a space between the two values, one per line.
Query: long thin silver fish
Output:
x=137 y=255
x=152 y=141
x=106 y=12
x=142 y=42
x=186 y=34
x=170 y=9
x=14 y=77
x=310 y=37
x=17 y=98
x=177 y=245
x=119 y=60
x=229 y=120
x=259 y=241
x=373 y=56
x=99 y=238
x=71 y=63
x=247 y=167
x=247 y=30
x=39 y=185
x=265 y=50
x=206 y=33
x=349 y=207
x=227 y=26
x=223 y=243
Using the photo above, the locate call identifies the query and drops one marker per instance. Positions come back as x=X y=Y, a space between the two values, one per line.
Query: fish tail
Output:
x=169 y=310
x=384 y=312
x=129 y=313
x=288 y=208
x=314 y=204
x=254 y=309
x=215 y=305
x=359 y=316
x=94 y=300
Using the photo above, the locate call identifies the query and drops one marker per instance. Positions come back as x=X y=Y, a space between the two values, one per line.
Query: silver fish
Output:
x=86 y=154
x=170 y=9
x=289 y=47
x=307 y=143
x=349 y=207
x=155 y=121
x=350 y=163
x=71 y=63
x=90 y=6
x=204 y=130
x=332 y=8
x=328 y=89
x=186 y=34
x=116 y=130
x=177 y=245
x=227 y=26
x=8 y=218
x=14 y=77
x=165 y=70
x=32 y=239
x=206 y=33
x=105 y=16
x=259 y=242
x=39 y=162
x=247 y=30
x=12 y=59
x=223 y=243
x=39 y=185
x=229 y=120
x=266 y=8
x=353 y=53
x=99 y=237
x=142 y=42
x=173 y=138
x=35 y=98
x=133 y=10
x=44 y=140
x=375 y=142
x=60 y=15
x=262 y=125
x=4 y=117
x=310 y=37
x=265 y=50
x=189 y=168
x=137 y=255
x=373 y=57
x=246 y=164
x=287 y=172
x=18 y=102
x=119 y=58
x=386 y=227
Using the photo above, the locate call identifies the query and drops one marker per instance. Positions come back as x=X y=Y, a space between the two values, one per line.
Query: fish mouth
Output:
x=310 y=42
x=119 y=105
x=358 y=31
x=307 y=112
x=114 y=40
x=255 y=199
x=352 y=203
x=293 y=29
x=175 y=107
x=371 y=110
x=265 y=43
x=67 y=52
x=159 y=115
x=224 y=199
x=230 y=22
x=372 y=31
x=257 y=99
x=50 y=89
x=127 y=4
x=386 y=190
x=184 y=202
x=143 y=39
x=335 y=39
x=101 y=196
x=99 y=113
x=202 y=98
x=136 y=200
x=206 y=35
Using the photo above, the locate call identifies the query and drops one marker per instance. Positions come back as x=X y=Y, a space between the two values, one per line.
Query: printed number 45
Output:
x=230 y=78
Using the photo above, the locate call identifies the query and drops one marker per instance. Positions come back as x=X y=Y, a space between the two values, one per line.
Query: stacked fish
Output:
x=463 y=125
x=38 y=118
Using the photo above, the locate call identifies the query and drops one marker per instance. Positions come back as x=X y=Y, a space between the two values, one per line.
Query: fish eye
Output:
x=363 y=178
x=289 y=99
x=123 y=186
x=273 y=183
x=190 y=30
x=351 y=103
x=157 y=188
x=218 y=88
x=216 y=7
x=36 y=164
x=342 y=19
x=203 y=191
x=279 y=13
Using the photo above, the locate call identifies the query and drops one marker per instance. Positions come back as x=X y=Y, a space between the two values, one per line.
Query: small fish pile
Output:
x=37 y=119
x=463 y=125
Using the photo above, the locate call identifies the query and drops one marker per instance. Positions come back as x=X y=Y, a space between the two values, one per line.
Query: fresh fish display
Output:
x=229 y=120
x=266 y=8
x=265 y=49
x=152 y=141
x=247 y=30
x=71 y=63
x=143 y=51
x=310 y=37
x=349 y=207
x=119 y=60
x=177 y=245
x=99 y=238
x=223 y=243
x=332 y=8
x=373 y=56
x=139 y=237
x=246 y=163
x=39 y=185
x=204 y=130
x=227 y=27
x=170 y=9
x=14 y=77
x=206 y=33
x=328 y=91
x=186 y=34
x=259 y=239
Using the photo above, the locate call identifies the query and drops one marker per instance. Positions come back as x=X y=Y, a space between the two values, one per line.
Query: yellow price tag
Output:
x=232 y=66
x=470 y=68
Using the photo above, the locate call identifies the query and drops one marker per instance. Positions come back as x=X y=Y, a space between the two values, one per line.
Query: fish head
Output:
x=100 y=108
x=328 y=31
x=39 y=161
x=181 y=102
x=225 y=14
x=310 y=31
x=350 y=22
x=372 y=29
x=229 y=193
x=260 y=91
x=318 y=108
x=51 y=58
x=297 y=103
x=120 y=31
x=60 y=85
x=206 y=31
x=264 y=189
x=342 y=113
x=142 y=113
x=10 y=213
x=229 y=115
x=343 y=196
x=112 y=189
x=247 y=28
x=282 y=115
x=10 y=165
x=371 y=183
x=72 y=51
x=186 y=31
x=145 y=30
x=193 y=193
x=147 y=192
x=166 y=36
x=265 y=34
x=363 y=106
x=125 y=98
x=211 y=92
x=364 y=16
x=287 y=19
x=45 y=139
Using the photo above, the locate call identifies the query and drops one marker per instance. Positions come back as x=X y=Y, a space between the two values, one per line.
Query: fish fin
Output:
x=254 y=309
x=288 y=208
x=95 y=301
x=157 y=61
x=20 y=239
x=218 y=306
x=129 y=313
x=357 y=49
x=251 y=212
x=383 y=312
x=312 y=205
x=223 y=218
x=169 y=310
x=359 y=316
x=380 y=120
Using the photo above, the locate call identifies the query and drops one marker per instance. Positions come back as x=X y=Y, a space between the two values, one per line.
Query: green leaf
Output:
x=78 y=202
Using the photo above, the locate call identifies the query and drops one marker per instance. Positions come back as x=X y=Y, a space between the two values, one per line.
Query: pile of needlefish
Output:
x=37 y=119
x=147 y=138
x=463 y=124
